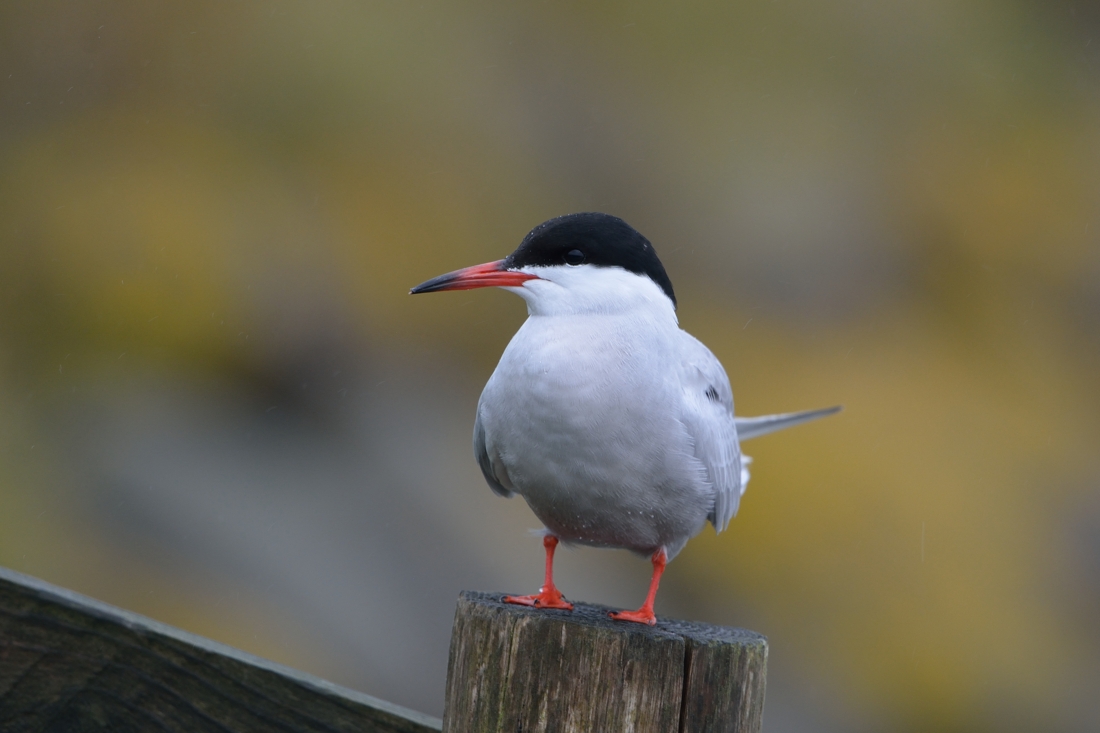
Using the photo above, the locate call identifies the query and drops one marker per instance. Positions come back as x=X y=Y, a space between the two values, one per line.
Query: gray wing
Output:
x=753 y=427
x=708 y=417
x=495 y=476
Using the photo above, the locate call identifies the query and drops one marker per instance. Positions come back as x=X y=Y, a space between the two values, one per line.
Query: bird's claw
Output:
x=641 y=616
x=545 y=599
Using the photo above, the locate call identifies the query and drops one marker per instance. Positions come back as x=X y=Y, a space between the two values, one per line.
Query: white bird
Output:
x=615 y=425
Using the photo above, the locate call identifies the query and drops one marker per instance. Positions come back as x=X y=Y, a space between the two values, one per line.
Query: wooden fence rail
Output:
x=70 y=664
x=73 y=665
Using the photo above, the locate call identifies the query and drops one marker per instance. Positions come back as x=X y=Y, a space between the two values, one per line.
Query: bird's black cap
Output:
x=601 y=239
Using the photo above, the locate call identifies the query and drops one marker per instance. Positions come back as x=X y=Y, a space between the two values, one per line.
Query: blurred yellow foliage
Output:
x=889 y=206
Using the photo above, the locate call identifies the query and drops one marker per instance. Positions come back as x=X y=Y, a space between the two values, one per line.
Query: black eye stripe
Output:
x=574 y=257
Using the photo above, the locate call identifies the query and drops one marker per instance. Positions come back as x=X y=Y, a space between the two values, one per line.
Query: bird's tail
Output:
x=754 y=427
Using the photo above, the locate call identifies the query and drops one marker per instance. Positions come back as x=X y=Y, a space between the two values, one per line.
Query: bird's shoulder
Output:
x=708 y=417
x=700 y=371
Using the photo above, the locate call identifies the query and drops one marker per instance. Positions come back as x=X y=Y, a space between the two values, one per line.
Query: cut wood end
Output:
x=520 y=668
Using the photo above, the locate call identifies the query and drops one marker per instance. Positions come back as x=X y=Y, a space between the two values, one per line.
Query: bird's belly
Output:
x=594 y=444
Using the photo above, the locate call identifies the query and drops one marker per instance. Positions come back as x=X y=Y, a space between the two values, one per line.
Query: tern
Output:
x=615 y=425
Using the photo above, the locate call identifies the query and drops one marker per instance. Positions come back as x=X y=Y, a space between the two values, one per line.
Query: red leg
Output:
x=644 y=615
x=548 y=596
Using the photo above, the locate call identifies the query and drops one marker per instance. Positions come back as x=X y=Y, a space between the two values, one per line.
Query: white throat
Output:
x=562 y=290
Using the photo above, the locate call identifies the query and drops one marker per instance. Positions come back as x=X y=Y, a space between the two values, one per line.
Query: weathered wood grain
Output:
x=73 y=665
x=515 y=669
x=725 y=672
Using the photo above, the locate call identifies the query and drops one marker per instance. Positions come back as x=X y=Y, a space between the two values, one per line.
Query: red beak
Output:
x=491 y=274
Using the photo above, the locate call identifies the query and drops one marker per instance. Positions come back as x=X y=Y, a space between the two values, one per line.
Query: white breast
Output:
x=583 y=415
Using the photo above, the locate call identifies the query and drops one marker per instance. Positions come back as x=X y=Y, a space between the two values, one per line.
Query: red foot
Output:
x=644 y=615
x=641 y=616
x=551 y=598
x=548 y=596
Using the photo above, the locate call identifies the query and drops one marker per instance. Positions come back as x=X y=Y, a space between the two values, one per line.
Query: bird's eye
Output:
x=574 y=257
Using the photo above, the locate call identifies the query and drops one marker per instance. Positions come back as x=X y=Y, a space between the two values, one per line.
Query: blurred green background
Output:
x=220 y=408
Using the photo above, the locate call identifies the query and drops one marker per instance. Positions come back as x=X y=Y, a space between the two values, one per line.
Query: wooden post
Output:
x=515 y=669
